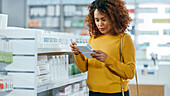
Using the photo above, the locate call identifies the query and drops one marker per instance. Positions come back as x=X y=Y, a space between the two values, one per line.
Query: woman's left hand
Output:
x=99 y=55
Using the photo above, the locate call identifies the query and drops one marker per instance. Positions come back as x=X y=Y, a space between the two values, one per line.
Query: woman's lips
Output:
x=101 y=29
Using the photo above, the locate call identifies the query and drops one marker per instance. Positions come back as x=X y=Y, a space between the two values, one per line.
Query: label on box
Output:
x=43 y=69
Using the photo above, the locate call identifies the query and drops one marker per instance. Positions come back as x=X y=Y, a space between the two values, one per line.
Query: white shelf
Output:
x=70 y=80
x=52 y=50
x=1 y=91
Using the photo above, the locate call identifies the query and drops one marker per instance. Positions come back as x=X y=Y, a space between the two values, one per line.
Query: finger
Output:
x=95 y=55
x=72 y=46
x=97 y=51
x=99 y=58
x=73 y=43
x=75 y=50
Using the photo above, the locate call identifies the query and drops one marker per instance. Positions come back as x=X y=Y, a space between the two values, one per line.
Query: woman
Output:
x=107 y=21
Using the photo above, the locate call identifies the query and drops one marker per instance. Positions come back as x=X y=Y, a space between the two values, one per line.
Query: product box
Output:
x=42 y=59
x=66 y=91
x=76 y=87
x=43 y=79
x=86 y=49
x=43 y=69
x=3 y=21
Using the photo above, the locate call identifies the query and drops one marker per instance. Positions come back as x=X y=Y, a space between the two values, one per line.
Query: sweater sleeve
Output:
x=126 y=69
x=82 y=61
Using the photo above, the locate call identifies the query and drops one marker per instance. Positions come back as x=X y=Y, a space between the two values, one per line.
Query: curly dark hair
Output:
x=116 y=12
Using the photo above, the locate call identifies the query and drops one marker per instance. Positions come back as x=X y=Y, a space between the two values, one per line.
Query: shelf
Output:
x=37 y=17
x=73 y=27
x=74 y=16
x=38 y=5
x=52 y=50
x=4 y=91
x=43 y=27
x=70 y=80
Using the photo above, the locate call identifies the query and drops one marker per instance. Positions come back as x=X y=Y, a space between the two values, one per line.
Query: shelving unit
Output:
x=150 y=34
x=44 y=16
x=26 y=49
x=67 y=22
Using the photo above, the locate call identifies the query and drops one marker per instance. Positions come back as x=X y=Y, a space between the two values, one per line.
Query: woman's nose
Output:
x=100 y=23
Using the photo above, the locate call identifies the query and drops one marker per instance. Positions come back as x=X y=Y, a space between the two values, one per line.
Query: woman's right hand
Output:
x=74 y=49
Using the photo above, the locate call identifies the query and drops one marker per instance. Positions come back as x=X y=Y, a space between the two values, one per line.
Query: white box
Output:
x=76 y=87
x=43 y=69
x=3 y=21
x=42 y=60
x=43 y=79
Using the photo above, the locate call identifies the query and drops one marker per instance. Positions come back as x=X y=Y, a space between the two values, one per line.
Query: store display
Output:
x=41 y=56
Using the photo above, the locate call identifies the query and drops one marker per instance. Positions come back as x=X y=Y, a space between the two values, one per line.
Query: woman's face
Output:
x=102 y=23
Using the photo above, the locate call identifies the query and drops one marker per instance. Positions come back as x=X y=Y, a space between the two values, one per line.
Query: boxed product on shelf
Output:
x=42 y=59
x=69 y=10
x=57 y=10
x=34 y=23
x=37 y=12
x=66 y=91
x=43 y=69
x=3 y=21
x=6 y=83
x=43 y=79
x=70 y=69
x=52 y=22
x=6 y=54
x=67 y=23
x=76 y=87
x=73 y=69
x=83 y=84
x=50 y=10
x=85 y=11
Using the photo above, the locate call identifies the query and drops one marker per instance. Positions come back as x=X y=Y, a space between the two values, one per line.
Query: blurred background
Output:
x=150 y=31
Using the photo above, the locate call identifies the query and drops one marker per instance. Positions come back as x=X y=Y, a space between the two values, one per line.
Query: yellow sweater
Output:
x=102 y=75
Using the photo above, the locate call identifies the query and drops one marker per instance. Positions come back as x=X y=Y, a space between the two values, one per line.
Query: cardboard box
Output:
x=146 y=90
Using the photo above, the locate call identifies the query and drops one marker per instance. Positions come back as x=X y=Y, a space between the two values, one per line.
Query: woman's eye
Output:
x=97 y=20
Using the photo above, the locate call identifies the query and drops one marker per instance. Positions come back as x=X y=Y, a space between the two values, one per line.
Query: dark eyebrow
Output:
x=101 y=18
